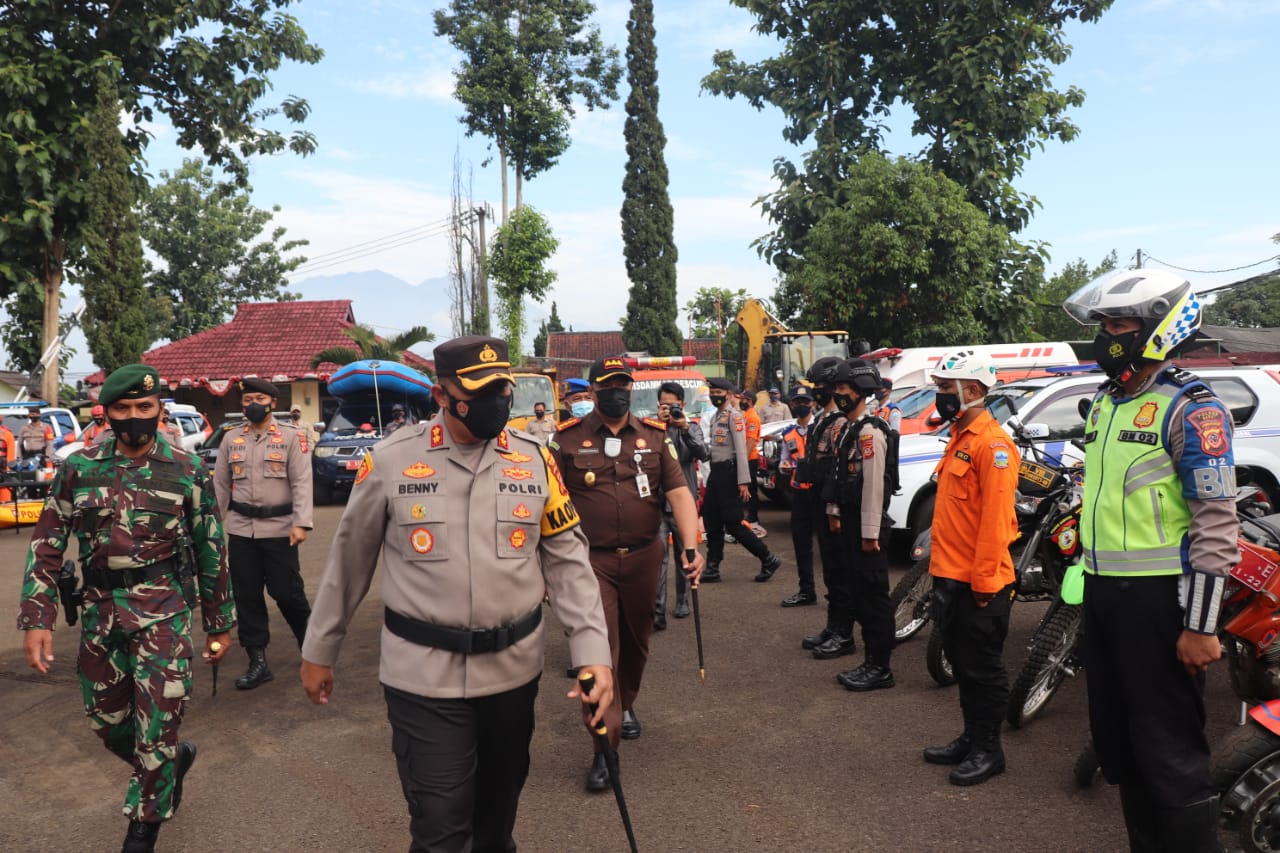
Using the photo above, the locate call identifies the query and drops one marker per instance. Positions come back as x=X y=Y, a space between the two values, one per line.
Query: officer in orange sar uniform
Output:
x=619 y=469
x=752 y=420
x=474 y=526
x=97 y=430
x=263 y=480
x=973 y=582
x=8 y=448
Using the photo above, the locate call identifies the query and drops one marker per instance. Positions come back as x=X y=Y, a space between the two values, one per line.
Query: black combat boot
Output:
x=682 y=605
x=598 y=775
x=711 y=574
x=141 y=837
x=1189 y=829
x=185 y=757
x=812 y=642
x=837 y=645
x=985 y=759
x=1140 y=819
x=953 y=753
x=258 y=673
x=768 y=566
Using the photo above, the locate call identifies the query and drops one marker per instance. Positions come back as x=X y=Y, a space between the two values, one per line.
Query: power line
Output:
x=397 y=234
x=311 y=267
x=1150 y=257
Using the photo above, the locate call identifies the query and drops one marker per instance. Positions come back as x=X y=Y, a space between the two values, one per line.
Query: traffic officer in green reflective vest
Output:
x=141 y=511
x=1159 y=531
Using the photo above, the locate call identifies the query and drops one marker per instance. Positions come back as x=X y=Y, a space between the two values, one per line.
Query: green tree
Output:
x=545 y=328
x=648 y=239
x=977 y=78
x=116 y=302
x=204 y=232
x=1054 y=324
x=518 y=266
x=204 y=66
x=711 y=314
x=1249 y=306
x=525 y=65
x=369 y=345
x=907 y=260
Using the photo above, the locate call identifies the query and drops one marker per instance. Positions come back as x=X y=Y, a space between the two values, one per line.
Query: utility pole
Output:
x=480 y=301
x=1139 y=259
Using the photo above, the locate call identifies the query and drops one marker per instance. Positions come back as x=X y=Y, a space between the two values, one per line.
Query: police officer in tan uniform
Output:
x=263 y=480
x=728 y=486
x=475 y=526
x=36 y=437
x=620 y=470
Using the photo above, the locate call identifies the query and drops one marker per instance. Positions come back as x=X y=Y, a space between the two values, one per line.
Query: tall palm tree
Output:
x=369 y=345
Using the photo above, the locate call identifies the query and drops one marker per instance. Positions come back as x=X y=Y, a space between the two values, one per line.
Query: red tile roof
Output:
x=274 y=340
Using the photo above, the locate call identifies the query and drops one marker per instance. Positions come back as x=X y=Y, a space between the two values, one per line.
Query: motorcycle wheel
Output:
x=908 y=598
x=1245 y=771
x=1086 y=769
x=1046 y=666
x=935 y=660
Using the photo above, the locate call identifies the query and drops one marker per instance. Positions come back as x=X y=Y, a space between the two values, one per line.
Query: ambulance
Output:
x=648 y=374
x=910 y=368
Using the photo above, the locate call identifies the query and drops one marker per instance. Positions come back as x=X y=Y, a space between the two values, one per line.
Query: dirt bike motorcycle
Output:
x=1048 y=541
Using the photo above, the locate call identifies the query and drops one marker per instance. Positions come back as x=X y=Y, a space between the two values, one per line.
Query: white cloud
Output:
x=599 y=128
x=428 y=84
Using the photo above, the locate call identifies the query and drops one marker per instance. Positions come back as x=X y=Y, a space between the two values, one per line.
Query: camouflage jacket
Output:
x=128 y=513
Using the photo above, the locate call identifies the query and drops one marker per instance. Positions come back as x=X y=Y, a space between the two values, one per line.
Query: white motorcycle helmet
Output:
x=966 y=364
x=1163 y=301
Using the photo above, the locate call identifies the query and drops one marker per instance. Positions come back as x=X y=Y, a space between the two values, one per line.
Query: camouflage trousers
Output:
x=136 y=679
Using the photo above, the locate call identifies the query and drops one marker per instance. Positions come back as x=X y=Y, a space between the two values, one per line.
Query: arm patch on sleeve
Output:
x=558 y=514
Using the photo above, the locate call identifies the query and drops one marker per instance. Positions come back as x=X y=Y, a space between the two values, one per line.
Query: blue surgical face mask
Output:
x=582 y=408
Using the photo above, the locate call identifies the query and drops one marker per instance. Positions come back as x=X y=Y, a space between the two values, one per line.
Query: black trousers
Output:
x=672 y=556
x=869 y=587
x=752 y=510
x=973 y=639
x=1146 y=713
x=722 y=509
x=835 y=575
x=807 y=512
x=273 y=564
x=462 y=765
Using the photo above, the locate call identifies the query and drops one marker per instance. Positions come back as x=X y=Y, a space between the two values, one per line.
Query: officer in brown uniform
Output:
x=36 y=437
x=475 y=527
x=263 y=480
x=619 y=468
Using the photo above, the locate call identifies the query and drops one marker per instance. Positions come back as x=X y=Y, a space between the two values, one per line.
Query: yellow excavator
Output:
x=773 y=356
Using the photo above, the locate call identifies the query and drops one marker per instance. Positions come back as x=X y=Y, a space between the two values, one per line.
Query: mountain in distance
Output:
x=385 y=302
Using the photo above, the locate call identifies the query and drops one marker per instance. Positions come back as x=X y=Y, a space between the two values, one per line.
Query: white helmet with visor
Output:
x=1163 y=301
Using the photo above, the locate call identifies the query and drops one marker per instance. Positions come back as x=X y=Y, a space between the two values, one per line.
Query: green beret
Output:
x=130 y=382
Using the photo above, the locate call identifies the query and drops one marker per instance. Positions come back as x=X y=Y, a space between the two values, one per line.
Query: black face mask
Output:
x=99 y=421
x=948 y=406
x=256 y=413
x=1114 y=352
x=539 y=415
x=821 y=396
x=485 y=416
x=717 y=400
x=135 y=432
x=613 y=402
x=845 y=403
x=745 y=405
x=800 y=410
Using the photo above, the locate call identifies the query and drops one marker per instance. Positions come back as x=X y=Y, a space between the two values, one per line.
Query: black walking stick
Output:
x=587 y=683
x=215 y=647
x=689 y=555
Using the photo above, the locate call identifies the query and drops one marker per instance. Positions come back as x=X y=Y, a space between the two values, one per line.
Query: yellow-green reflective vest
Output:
x=1135 y=519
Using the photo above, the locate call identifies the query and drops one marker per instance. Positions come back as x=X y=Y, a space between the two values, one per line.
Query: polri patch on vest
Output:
x=868 y=444
x=419 y=471
x=1136 y=437
x=366 y=468
x=1146 y=415
x=1210 y=425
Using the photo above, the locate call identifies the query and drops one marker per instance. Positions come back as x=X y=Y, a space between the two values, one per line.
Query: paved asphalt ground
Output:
x=770 y=754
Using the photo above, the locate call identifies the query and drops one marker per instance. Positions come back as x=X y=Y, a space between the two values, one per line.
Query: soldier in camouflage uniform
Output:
x=139 y=509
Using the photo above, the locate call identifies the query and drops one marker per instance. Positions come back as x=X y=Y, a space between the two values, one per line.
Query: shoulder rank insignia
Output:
x=437 y=435
x=656 y=424
x=503 y=441
x=568 y=423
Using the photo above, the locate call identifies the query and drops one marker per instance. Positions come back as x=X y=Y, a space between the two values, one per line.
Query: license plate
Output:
x=352 y=464
x=1036 y=474
x=1256 y=569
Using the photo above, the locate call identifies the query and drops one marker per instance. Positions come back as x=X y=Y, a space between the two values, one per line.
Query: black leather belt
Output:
x=621 y=550
x=251 y=511
x=466 y=641
x=124 y=578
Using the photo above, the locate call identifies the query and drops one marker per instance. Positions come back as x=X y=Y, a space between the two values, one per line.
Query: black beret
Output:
x=258 y=385
x=132 y=382
x=722 y=384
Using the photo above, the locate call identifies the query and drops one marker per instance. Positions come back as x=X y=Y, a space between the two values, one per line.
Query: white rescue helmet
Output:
x=966 y=364
x=1162 y=300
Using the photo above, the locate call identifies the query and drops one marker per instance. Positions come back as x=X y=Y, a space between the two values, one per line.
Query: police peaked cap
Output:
x=475 y=361
x=258 y=385
x=801 y=392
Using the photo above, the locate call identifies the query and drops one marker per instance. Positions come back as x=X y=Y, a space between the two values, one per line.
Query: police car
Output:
x=1049 y=408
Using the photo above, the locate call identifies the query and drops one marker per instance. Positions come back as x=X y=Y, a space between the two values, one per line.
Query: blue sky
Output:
x=1176 y=154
